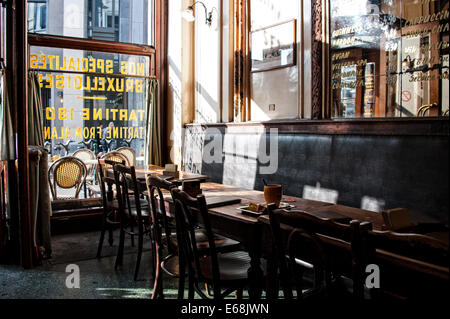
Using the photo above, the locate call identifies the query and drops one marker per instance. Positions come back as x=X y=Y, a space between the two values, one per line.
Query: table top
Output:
x=143 y=170
x=310 y=206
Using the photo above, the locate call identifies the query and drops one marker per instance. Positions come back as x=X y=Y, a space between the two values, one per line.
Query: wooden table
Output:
x=254 y=232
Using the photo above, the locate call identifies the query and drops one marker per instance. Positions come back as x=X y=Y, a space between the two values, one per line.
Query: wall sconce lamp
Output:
x=407 y=63
x=188 y=14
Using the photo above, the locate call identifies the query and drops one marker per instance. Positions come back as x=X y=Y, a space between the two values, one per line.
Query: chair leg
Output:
x=181 y=279
x=158 y=292
x=272 y=278
x=139 y=253
x=119 y=258
x=110 y=235
x=132 y=236
x=102 y=236
x=191 y=286
x=208 y=291
x=155 y=258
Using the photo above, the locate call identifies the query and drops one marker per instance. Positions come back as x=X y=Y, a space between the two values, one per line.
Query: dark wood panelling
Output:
x=394 y=163
x=382 y=126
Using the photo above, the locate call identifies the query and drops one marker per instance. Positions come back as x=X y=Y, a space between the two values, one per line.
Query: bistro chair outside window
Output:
x=85 y=154
x=129 y=153
x=66 y=173
x=112 y=157
x=226 y=272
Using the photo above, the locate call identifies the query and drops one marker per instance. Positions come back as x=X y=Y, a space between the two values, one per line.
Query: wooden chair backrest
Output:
x=418 y=249
x=332 y=246
x=187 y=209
x=106 y=182
x=160 y=219
x=116 y=157
x=411 y=265
x=126 y=188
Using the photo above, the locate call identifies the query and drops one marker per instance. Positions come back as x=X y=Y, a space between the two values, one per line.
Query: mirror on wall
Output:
x=389 y=58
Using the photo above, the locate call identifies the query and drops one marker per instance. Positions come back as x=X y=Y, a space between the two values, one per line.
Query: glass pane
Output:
x=94 y=108
x=103 y=13
x=399 y=49
x=128 y=21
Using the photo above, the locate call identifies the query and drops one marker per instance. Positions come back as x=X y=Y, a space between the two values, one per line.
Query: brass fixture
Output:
x=188 y=14
x=424 y=108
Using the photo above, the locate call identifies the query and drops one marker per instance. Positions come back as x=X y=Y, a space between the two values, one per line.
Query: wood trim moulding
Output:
x=54 y=41
x=316 y=59
x=161 y=63
x=221 y=61
x=231 y=26
x=19 y=101
x=432 y=126
x=12 y=179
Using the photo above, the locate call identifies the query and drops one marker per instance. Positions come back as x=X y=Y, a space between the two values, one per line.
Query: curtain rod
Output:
x=95 y=73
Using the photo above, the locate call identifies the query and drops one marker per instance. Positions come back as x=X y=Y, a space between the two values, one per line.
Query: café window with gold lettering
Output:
x=91 y=99
x=389 y=58
x=126 y=21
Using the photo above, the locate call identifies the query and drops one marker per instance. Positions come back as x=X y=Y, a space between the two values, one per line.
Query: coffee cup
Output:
x=273 y=193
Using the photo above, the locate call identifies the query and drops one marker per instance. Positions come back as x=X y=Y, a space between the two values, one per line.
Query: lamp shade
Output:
x=188 y=14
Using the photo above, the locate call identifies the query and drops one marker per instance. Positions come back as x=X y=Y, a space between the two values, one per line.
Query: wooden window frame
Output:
x=18 y=44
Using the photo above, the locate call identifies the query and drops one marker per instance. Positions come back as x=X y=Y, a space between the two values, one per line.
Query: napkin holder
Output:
x=171 y=170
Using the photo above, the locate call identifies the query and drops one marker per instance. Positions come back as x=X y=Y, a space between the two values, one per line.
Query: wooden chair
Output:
x=327 y=248
x=129 y=153
x=226 y=272
x=133 y=211
x=110 y=205
x=66 y=173
x=412 y=266
x=163 y=225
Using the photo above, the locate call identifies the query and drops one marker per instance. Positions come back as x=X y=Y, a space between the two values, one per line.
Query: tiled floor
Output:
x=98 y=279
